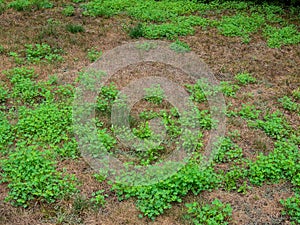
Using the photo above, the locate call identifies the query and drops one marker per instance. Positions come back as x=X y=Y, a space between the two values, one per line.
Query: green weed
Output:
x=282 y=163
x=241 y=25
x=198 y=118
x=228 y=89
x=6 y=133
x=143 y=131
x=171 y=124
x=106 y=97
x=201 y=89
x=106 y=139
x=180 y=47
x=93 y=54
x=50 y=29
x=17 y=58
x=233 y=178
x=166 y=30
x=26 y=5
x=2 y=7
x=98 y=198
x=154 y=94
x=37 y=179
x=249 y=112
x=42 y=52
x=24 y=89
x=68 y=10
x=296 y=94
x=47 y=123
x=227 y=150
x=276 y=37
x=105 y=8
x=180 y=26
x=148 y=115
x=214 y=213
x=4 y=93
x=146 y=46
x=153 y=200
x=244 y=78
x=274 y=125
x=289 y=104
x=292 y=208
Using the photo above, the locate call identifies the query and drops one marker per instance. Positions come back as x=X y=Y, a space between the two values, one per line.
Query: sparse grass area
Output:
x=75 y=28
x=253 y=49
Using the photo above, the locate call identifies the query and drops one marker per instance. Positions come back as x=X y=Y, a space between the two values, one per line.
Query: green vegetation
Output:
x=249 y=112
x=161 y=195
x=179 y=46
x=240 y=25
x=93 y=54
x=98 y=198
x=227 y=151
x=170 y=19
x=292 y=208
x=274 y=124
x=75 y=28
x=41 y=134
x=35 y=179
x=107 y=95
x=259 y=146
x=38 y=52
x=296 y=94
x=181 y=26
x=276 y=37
x=201 y=90
x=146 y=46
x=2 y=7
x=27 y=5
x=4 y=95
x=6 y=135
x=1 y=49
x=282 y=163
x=289 y=104
x=214 y=213
x=136 y=31
x=228 y=88
x=154 y=94
x=68 y=10
x=244 y=78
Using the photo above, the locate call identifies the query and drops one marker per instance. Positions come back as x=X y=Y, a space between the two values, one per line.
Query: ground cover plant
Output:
x=253 y=51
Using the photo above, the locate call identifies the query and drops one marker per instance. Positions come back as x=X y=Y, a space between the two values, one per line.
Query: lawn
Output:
x=149 y=112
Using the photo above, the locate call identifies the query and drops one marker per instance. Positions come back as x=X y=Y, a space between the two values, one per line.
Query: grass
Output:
x=75 y=28
x=41 y=166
